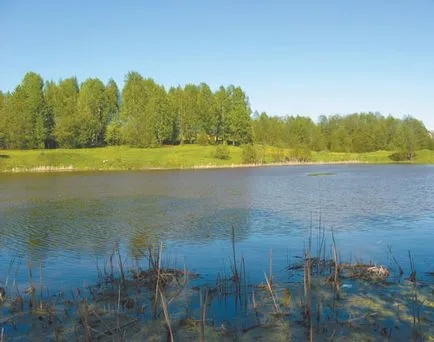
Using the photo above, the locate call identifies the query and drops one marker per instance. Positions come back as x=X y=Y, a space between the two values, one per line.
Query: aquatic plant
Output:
x=153 y=297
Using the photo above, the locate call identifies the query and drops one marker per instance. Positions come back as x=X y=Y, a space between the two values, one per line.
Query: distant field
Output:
x=171 y=157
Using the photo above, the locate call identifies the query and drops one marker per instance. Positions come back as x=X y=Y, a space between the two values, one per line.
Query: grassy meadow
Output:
x=170 y=157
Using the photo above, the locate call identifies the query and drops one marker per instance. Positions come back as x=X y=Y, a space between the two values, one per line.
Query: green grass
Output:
x=378 y=157
x=171 y=157
x=116 y=158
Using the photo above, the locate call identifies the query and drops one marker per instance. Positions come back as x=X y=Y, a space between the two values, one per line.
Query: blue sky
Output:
x=292 y=57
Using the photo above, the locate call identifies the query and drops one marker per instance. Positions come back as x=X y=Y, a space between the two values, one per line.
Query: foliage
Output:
x=202 y=139
x=24 y=115
x=92 y=114
x=364 y=132
x=222 y=152
x=62 y=104
x=113 y=134
x=250 y=154
x=302 y=155
x=402 y=156
x=278 y=155
x=65 y=114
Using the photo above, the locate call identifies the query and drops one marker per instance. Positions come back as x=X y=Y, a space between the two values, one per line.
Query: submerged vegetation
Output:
x=321 y=174
x=155 y=298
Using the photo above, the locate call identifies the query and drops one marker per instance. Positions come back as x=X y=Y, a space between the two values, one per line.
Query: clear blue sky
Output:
x=292 y=57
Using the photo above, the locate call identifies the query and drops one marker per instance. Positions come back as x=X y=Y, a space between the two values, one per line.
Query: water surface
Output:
x=68 y=221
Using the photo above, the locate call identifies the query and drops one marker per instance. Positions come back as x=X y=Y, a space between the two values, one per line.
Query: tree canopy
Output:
x=67 y=114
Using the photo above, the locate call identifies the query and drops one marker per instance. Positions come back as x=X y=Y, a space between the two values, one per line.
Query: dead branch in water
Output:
x=166 y=316
x=276 y=307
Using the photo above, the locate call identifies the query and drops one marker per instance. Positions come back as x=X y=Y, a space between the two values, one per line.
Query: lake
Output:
x=69 y=222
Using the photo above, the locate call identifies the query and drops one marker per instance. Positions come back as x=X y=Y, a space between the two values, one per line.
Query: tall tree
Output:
x=145 y=110
x=113 y=131
x=2 y=120
x=190 y=123
x=92 y=113
x=238 y=127
x=113 y=101
x=176 y=113
x=411 y=136
x=25 y=115
x=162 y=120
x=222 y=99
x=207 y=109
x=62 y=103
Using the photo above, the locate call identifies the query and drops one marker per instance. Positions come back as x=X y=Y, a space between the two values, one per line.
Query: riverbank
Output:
x=170 y=157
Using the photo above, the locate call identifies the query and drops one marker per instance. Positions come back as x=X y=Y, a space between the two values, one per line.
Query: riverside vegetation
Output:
x=65 y=116
x=153 y=298
x=181 y=157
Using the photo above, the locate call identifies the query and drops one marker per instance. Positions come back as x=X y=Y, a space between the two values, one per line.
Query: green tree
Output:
x=190 y=123
x=113 y=135
x=145 y=111
x=223 y=106
x=134 y=98
x=238 y=128
x=92 y=113
x=207 y=109
x=3 y=98
x=25 y=115
x=162 y=120
x=62 y=104
x=113 y=101
x=175 y=103
x=411 y=136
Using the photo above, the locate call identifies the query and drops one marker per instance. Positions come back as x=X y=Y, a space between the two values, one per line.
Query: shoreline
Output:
x=191 y=157
x=72 y=169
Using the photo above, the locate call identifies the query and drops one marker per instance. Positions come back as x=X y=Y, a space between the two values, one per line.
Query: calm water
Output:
x=68 y=221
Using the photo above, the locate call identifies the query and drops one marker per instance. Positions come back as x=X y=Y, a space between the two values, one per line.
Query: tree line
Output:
x=40 y=114
x=66 y=114
x=359 y=132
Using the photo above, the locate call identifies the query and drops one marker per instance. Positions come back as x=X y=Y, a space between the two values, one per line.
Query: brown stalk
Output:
x=202 y=324
x=276 y=307
x=40 y=287
x=158 y=274
x=166 y=316
x=121 y=269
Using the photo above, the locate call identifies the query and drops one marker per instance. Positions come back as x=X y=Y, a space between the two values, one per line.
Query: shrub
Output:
x=202 y=139
x=278 y=155
x=113 y=134
x=249 y=154
x=402 y=156
x=222 y=152
x=302 y=155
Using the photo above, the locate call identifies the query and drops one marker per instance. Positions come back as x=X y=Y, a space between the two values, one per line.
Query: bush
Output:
x=222 y=152
x=202 y=139
x=278 y=155
x=113 y=134
x=402 y=156
x=249 y=154
x=302 y=155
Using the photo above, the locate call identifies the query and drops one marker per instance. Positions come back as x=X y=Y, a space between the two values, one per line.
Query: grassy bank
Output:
x=173 y=157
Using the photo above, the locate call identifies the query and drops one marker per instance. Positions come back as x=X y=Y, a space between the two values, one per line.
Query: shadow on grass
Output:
x=4 y=156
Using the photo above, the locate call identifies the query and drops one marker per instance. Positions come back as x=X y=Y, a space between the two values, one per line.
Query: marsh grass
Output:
x=151 y=297
x=321 y=174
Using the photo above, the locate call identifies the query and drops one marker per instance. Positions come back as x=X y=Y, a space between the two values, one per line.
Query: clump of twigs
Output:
x=365 y=272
